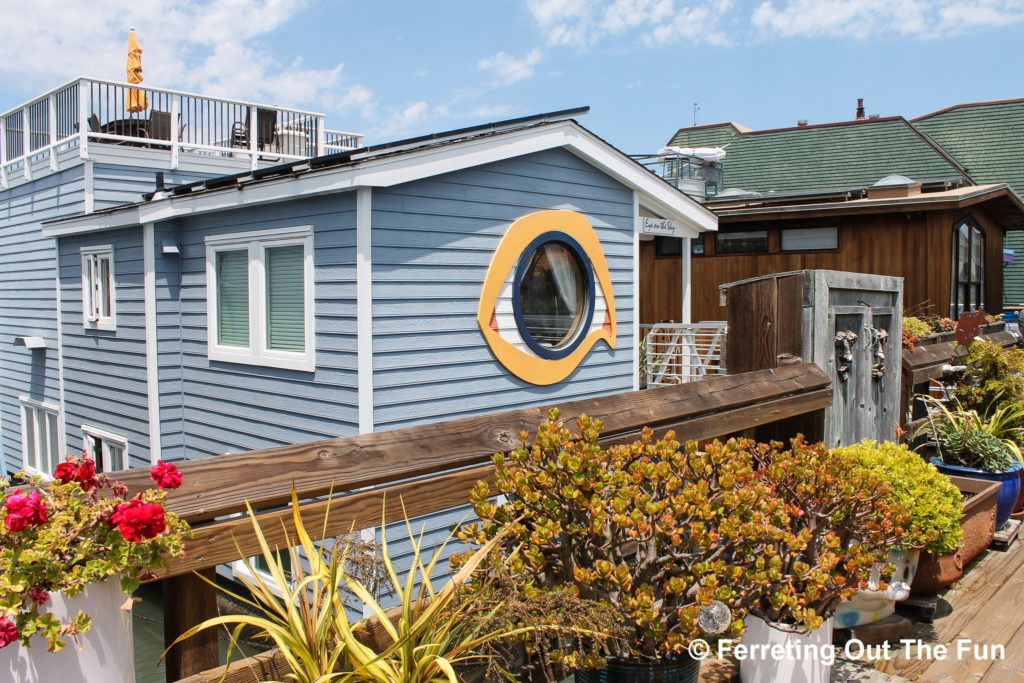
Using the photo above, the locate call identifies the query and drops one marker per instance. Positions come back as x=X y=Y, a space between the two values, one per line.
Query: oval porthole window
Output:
x=554 y=295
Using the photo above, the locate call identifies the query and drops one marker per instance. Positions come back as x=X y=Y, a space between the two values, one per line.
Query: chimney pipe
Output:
x=860 y=109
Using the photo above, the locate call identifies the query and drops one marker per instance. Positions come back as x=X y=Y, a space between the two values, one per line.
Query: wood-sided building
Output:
x=870 y=195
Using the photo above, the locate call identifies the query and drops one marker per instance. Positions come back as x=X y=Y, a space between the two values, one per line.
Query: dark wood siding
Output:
x=916 y=246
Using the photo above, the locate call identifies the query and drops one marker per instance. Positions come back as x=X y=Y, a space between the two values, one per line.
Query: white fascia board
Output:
x=401 y=168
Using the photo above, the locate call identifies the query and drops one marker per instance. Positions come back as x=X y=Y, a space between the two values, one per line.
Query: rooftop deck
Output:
x=43 y=134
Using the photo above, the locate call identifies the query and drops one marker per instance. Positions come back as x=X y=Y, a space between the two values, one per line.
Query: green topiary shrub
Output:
x=933 y=501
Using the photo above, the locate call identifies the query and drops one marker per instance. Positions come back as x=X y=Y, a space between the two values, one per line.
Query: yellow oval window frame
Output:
x=528 y=367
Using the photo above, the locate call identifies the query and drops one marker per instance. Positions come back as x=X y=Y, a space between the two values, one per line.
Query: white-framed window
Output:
x=808 y=239
x=109 y=450
x=259 y=298
x=99 y=288
x=41 y=449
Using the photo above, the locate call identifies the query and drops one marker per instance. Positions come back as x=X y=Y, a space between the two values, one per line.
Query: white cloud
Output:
x=492 y=111
x=871 y=18
x=582 y=23
x=208 y=46
x=506 y=69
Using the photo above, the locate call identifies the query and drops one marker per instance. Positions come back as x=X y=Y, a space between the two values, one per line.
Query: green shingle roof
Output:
x=987 y=139
x=827 y=157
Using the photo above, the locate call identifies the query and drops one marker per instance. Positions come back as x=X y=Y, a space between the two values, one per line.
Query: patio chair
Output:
x=159 y=127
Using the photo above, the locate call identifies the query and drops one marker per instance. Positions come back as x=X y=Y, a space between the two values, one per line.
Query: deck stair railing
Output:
x=685 y=352
x=435 y=475
x=88 y=111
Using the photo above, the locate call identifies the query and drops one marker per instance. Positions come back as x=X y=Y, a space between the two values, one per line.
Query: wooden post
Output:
x=188 y=601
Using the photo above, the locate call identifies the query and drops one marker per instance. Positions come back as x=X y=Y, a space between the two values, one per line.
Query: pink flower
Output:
x=165 y=475
x=138 y=521
x=39 y=596
x=23 y=511
x=8 y=632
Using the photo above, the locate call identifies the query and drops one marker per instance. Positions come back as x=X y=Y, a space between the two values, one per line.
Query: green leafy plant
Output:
x=654 y=530
x=841 y=522
x=933 y=501
x=422 y=640
x=994 y=378
x=965 y=438
x=913 y=330
x=77 y=529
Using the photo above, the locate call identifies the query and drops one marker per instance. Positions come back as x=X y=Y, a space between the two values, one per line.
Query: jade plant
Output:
x=655 y=530
x=841 y=522
x=931 y=498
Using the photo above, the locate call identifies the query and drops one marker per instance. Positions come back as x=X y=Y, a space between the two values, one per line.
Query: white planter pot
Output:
x=868 y=606
x=775 y=656
x=107 y=654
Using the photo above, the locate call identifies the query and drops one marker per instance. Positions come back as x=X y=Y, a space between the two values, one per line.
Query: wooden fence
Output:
x=428 y=468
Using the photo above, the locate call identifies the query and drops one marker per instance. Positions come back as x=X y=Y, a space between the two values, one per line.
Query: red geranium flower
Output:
x=84 y=473
x=24 y=511
x=165 y=475
x=138 y=521
x=39 y=596
x=8 y=632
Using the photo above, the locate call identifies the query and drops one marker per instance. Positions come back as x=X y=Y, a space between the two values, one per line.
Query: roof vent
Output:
x=893 y=186
x=737 y=192
x=802 y=122
x=872 y=116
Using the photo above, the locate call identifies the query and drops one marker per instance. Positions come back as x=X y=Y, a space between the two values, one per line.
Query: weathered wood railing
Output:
x=428 y=468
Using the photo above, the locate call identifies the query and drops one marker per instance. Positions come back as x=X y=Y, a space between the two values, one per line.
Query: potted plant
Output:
x=841 y=523
x=657 y=531
x=970 y=445
x=934 y=504
x=68 y=548
x=993 y=379
x=428 y=637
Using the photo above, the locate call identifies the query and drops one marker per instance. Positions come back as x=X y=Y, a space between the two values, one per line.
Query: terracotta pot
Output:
x=1018 y=507
x=979 y=525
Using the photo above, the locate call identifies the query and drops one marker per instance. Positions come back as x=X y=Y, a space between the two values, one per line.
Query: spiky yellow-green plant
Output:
x=428 y=634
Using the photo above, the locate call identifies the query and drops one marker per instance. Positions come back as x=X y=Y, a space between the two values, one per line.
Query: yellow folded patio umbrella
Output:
x=136 y=98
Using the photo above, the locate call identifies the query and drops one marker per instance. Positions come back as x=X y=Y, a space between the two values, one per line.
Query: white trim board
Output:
x=403 y=167
x=364 y=308
x=152 y=366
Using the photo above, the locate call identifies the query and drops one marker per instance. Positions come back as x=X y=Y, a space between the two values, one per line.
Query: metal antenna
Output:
x=696 y=108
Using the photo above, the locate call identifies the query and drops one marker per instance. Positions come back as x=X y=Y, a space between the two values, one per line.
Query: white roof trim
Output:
x=406 y=167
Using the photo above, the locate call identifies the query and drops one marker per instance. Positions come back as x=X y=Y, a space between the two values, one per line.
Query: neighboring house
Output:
x=82 y=152
x=825 y=196
x=402 y=284
x=987 y=139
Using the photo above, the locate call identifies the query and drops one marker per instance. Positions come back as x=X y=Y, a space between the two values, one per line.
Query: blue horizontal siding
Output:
x=105 y=371
x=433 y=241
x=28 y=296
x=231 y=407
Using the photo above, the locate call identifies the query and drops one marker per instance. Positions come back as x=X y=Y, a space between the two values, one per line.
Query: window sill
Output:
x=302 y=363
x=102 y=325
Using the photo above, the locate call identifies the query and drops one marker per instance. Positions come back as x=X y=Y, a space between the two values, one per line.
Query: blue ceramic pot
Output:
x=1007 y=494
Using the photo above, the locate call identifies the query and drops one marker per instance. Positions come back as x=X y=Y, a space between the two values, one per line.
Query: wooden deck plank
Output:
x=995 y=623
x=967 y=599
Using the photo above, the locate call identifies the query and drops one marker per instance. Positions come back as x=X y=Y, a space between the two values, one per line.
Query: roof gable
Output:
x=987 y=138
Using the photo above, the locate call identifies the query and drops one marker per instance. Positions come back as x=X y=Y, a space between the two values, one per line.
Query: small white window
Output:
x=110 y=451
x=800 y=239
x=259 y=298
x=99 y=287
x=40 y=436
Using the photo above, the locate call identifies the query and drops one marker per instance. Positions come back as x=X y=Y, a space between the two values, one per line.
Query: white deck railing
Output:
x=684 y=352
x=87 y=111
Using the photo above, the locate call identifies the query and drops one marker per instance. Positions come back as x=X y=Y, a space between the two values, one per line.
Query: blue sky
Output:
x=399 y=68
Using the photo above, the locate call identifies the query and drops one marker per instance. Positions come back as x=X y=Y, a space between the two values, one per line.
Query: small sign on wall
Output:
x=657 y=226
